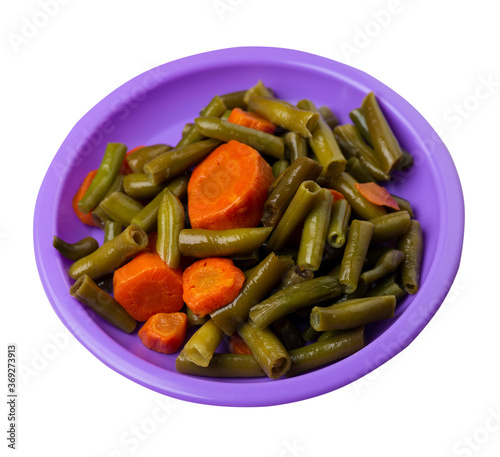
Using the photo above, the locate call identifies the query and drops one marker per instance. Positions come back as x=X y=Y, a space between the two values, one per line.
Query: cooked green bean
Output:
x=309 y=334
x=360 y=292
x=295 y=145
x=202 y=243
x=247 y=260
x=100 y=217
x=142 y=156
x=295 y=213
x=186 y=128
x=285 y=114
x=222 y=366
x=116 y=185
x=386 y=264
x=86 y=291
x=358 y=118
x=404 y=205
x=328 y=334
x=279 y=167
x=75 y=251
x=390 y=226
x=262 y=280
x=288 y=334
x=258 y=89
x=111 y=230
x=387 y=286
x=138 y=185
x=358 y=241
x=111 y=255
x=147 y=218
x=219 y=129
x=121 y=208
x=339 y=221
x=293 y=298
x=170 y=224
x=385 y=144
x=357 y=171
x=201 y=347
x=353 y=313
x=173 y=163
x=225 y=116
x=329 y=350
x=284 y=188
x=324 y=145
x=411 y=243
x=295 y=275
x=106 y=174
x=328 y=116
x=193 y=320
x=313 y=239
x=346 y=184
x=234 y=100
x=267 y=349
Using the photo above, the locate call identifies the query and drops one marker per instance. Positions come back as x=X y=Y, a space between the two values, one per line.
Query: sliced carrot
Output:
x=377 y=195
x=164 y=332
x=211 y=283
x=251 y=120
x=85 y=218
x=237 y=345
x=147 y=285
x=336 y=195
x=228 y=189
x=125 y=169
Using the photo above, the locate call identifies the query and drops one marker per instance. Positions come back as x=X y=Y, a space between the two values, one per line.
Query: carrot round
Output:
x=237 y=345
x=211 y=283
x=85 y=218
x=147 y=285
x=336 y=195
x=164 y=332
x=228 y=189
x=125 y=168
x=377 y=195
x=251 y=120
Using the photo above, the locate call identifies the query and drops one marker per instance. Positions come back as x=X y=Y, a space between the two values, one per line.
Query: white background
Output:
x=439 y=397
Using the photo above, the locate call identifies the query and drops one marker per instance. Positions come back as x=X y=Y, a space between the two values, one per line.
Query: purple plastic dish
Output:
x=153 y=108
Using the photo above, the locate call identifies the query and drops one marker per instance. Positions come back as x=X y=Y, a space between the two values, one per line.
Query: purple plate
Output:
x=153 y=108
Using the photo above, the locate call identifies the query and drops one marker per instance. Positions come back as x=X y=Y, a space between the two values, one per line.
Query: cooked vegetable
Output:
x=339 y=221
x=237 y=345
x=75 y=251
x=251 y=120
x=386 y=264
x=121 y=208
x=147 y=285
x=202 y=345
x=411 y=243
x=227 y=190
x=377 y=195
x=170 y=224
x=138 y=185
x=390 y=226
x=139 y=157
x=164 y=332
x=296 y=146
x=85 y=218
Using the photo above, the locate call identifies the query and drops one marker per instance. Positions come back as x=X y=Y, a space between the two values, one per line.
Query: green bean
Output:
x=75 y=251
x=148 y=216
x=202 y=243
x=284 y=188
x=313 y=239
x=262 y=280
x=324 y=145
x=337 y=231
x=288 y=334
x=111 y=255
x=138 y=185
x=387 y=286
x=201 y=347
x=293 y=298
x=358 y=241
x=279 y=167
x=309 y=334
x=386 y=264
x=216 y=108
x=267 y=349
x=406 y=162
x=100 y=217
x=265 y=143
x=142 y=156
x=358 y=118
x=225 y=116
x=353 y=313
x=222 y=366
x=193 y=320
x=234 y=100
x=390 y=226
x=411 y=243
x=170 y=224
x=404 y=205
x=86 y=291
x=121 y=208
x=329 y=350
x=111 y=230
x=295 y=213
x=258 y=89
x=295 y=275
x=116 y=185
x=328 y=334
x=328 y=116
x=360 y=292
x=173 y=163
x=346 y=184
x=385 y=144
x=296 y=145
x=245 y=261
x=285 y=114
x=357 y=171
x=352 y=143
x=106 y=174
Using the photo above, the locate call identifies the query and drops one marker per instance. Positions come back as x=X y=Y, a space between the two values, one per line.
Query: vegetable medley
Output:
x=265 y=226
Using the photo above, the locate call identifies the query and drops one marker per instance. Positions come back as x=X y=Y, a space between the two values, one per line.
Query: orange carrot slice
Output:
x=377 y=195
x=237 y=345
x=251 y=120
x=164 y=332
x=211 y=283
x=336 y=195
x=85 y=218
